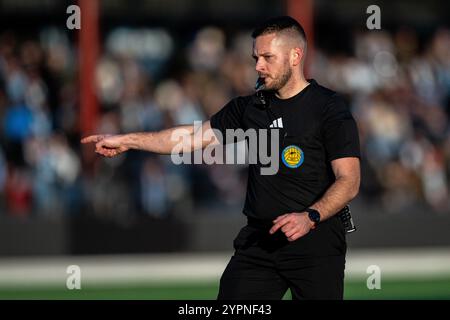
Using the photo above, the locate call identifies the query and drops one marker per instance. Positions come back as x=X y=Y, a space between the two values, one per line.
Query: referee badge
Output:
x=292 y=156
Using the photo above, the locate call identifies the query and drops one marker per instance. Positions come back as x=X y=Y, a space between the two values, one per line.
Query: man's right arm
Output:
x=188 y=138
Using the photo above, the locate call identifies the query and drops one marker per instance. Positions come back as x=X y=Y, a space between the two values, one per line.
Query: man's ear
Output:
x=296 y=56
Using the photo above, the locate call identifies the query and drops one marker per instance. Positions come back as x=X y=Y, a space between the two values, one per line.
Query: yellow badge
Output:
x=292 y=156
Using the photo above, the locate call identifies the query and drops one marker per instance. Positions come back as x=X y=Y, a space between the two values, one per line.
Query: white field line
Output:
x=188 y=268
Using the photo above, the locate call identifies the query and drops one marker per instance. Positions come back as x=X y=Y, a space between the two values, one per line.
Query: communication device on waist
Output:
x=347 y=220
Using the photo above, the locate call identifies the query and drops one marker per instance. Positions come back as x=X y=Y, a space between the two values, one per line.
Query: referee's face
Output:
x=271 y=54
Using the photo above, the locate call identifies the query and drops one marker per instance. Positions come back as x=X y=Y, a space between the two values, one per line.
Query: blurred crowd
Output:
x=399 y=90
x=397 y=86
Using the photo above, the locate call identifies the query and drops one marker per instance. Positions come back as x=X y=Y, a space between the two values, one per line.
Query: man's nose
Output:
x=260 y=67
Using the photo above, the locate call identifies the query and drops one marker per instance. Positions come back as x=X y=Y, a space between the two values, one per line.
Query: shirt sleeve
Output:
x=339 y=130
x=229 y=117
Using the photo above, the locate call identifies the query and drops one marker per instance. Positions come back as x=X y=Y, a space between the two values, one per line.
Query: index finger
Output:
x=94 y=138
x=280 y=217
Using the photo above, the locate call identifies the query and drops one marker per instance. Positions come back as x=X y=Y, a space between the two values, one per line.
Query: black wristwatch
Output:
x=313 y=215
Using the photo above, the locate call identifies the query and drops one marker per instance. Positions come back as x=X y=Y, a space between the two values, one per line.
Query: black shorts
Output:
x=265 y=266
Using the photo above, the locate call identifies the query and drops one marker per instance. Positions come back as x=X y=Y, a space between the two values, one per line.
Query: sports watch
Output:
x=313 y=215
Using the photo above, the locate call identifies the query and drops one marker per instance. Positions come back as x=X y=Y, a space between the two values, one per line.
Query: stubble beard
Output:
x=279 y=83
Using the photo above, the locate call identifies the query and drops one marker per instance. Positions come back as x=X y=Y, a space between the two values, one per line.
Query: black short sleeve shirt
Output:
x=315 y=127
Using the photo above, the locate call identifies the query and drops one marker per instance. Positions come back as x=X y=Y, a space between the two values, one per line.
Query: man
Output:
x=293 y=238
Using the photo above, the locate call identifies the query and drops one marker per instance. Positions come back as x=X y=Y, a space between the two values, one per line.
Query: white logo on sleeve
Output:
x=278 y=123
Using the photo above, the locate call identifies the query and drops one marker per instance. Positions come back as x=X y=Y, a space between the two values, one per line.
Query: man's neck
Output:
x=292 y=89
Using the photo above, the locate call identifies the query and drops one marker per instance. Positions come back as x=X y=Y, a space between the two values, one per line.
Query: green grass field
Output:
x=436 y=288
x=412 y=274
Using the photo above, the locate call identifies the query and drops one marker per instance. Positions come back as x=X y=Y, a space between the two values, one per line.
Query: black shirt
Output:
x=317 y=127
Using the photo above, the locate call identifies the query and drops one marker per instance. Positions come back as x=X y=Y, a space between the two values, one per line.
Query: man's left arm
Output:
x=343 y=190
x=339 y=194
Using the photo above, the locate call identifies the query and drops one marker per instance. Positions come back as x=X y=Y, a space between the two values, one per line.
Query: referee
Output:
x=293 y=239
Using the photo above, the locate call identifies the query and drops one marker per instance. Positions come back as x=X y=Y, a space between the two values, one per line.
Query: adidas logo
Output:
x=278 y=123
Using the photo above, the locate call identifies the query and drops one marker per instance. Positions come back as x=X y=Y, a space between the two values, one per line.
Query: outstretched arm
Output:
x=162 y=142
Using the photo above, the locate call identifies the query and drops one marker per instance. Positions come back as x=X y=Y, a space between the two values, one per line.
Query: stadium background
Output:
x=140 y=227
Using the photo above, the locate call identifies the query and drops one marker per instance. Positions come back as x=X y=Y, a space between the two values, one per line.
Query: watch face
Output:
x=314 y=215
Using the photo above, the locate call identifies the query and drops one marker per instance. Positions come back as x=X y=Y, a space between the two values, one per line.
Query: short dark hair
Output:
x=278 y=24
